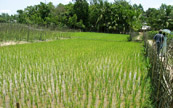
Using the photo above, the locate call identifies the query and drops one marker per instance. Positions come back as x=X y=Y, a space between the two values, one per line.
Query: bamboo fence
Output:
x=161 y=74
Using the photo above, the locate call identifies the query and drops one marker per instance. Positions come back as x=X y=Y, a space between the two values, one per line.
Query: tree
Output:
x=99 y=15
x=160 y=18
x=21 y=16
x=81 y=8
x=72 y=21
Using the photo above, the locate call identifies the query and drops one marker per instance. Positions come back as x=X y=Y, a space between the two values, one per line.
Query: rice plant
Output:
x=78 y=72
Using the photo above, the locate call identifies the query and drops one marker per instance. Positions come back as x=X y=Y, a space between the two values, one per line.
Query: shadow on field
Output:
x=139 y=41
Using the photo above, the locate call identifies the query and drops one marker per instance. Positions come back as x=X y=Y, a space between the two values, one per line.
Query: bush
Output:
x=151 y=34
x=2 y=20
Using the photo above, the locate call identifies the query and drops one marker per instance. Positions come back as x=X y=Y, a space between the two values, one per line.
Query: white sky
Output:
x=11 y=6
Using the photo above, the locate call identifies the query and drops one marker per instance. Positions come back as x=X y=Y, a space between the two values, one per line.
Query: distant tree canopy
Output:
x=96 y=15
x=4 y=17
x=160 y=18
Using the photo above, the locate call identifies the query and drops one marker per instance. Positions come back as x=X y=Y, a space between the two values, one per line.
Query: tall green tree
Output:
x=98 y=15
x=21 y=16
x=5 y=17
x=81 y=9
x=160 y=18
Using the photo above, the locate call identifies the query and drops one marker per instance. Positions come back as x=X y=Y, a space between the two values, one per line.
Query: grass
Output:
x=20 y=32
x=88 y=70
x=99 y=36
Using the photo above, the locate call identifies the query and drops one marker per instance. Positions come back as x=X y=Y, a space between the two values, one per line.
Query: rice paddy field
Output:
x=89 y=70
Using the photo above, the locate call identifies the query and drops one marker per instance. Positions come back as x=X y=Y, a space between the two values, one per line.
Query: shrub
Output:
x=151 y=34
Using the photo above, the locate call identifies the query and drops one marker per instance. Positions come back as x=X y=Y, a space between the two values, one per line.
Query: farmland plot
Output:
x=74 y=73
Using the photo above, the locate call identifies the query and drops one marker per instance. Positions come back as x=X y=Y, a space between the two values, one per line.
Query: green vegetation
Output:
x=21 y=32
x=78 y=69
x=95 y=15
x=151 y=34
x=99 y=36
x=161 y=18
x=84 y=71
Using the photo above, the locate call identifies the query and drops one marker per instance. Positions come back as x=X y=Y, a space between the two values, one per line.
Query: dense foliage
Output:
x=160 y=18
x=96 y=15
x=151 y=34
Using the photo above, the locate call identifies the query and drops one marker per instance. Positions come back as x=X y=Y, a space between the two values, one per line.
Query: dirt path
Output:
x=139 y=37
x=150 y=42
x=19 y=42
x=12 y=43
x=169 y=68
x=25 y=42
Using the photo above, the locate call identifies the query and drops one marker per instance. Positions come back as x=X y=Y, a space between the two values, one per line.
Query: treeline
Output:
x=96 y=15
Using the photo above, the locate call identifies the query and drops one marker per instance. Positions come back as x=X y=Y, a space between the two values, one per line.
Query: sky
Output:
x=11 y=6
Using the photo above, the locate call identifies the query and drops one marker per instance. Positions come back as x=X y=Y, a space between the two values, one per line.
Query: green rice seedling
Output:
x=4 y=101
x=101 y=105
x=118 y=95
x=11 y=101
x=93 y=98
x=127 y=103
x=60 y=91
x=25 y=97
x=110 y=100
x=31 y=100
x=134 y=95
x=36 y=100
x=142 y=93
x=87 y=93
x=87 y=70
